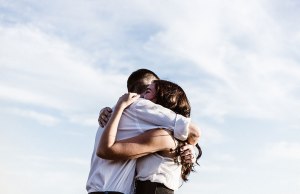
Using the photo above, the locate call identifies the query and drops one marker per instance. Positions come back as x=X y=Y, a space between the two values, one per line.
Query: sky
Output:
x=61 y=61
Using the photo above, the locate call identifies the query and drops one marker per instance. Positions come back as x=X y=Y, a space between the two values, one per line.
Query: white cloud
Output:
x=210 y=135
x=67 y=59
x=45 y=71
x=42 y=118
x=87 y=120
x=243 y=52
x=48 y=181
x=51 y=174
x=283 y=150
x=224 y=157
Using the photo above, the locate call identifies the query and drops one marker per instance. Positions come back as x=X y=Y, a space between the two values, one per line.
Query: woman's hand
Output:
x=127 y=99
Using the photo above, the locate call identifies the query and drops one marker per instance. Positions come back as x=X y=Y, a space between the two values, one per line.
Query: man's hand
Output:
x=104 y=116
x=187 y=154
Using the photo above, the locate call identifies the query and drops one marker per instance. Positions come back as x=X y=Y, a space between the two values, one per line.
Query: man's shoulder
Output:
x=143 y=103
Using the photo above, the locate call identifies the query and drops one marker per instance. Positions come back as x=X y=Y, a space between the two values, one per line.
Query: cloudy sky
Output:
x=238 y=61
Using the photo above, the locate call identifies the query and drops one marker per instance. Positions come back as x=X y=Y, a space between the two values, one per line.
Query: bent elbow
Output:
x=197 y=134
x=194 y=135
x=102 y=153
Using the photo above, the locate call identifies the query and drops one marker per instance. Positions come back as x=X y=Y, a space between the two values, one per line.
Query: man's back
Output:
x=109 y=175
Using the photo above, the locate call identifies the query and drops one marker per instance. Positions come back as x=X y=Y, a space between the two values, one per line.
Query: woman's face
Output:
x=150 y=93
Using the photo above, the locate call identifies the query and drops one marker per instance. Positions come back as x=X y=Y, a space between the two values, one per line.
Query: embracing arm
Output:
x=162 y=117
x=194 y=134
x=146 y=143
x=151 y=141
x=108 y=137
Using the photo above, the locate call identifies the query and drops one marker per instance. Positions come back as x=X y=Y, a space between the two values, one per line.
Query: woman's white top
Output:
x=160 y=169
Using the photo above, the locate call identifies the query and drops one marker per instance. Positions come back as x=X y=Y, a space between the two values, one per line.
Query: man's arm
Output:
x=155 y=114
x=162 y=117
x=187 y=153
x=194 y=134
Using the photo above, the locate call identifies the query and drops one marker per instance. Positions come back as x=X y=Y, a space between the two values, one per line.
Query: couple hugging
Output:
x=147 y=143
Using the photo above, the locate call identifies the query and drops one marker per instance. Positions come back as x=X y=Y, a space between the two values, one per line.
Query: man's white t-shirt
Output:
x=142 y=115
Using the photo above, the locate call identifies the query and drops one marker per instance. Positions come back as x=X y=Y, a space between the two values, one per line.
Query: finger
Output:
x=99 y=121
x=187 y=162
x=101 y=111
x=104 y=118
x=108 y=109
x=186 y=147
x=186 y=152
x=105 y=109
x=107 y=112
x=104 y=113
x=100 y=116
x=188 y=156
x=101 y=124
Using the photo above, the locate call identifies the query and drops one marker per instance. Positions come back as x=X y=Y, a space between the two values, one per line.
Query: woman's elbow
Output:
x=103 y=152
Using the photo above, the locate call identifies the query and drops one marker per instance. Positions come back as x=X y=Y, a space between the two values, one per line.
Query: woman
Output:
x=156 y=171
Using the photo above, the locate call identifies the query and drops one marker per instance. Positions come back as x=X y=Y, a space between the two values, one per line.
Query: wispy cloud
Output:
x=62 y=60
x=210 y=135
x=42 y=118
x=244 y=55
x=44 y=71
x=283 y=150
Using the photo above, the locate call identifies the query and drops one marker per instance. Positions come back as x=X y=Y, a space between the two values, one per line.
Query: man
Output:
x=107 y=176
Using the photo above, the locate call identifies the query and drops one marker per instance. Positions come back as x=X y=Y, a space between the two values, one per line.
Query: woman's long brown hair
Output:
x=173 y=97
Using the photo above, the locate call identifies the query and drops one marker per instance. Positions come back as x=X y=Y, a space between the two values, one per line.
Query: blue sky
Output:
x=238 y=61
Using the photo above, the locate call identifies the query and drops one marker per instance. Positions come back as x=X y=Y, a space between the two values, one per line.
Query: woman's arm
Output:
x=149 y=142
x=108 y=137
x=146 y=143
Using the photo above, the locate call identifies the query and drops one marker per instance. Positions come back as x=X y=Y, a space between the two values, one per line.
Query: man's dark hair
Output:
x=135 y=82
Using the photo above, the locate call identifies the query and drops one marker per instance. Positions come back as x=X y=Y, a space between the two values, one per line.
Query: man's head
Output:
x=139 y=80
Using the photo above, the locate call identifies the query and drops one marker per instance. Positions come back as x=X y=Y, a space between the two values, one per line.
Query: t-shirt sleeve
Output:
x=162 y=117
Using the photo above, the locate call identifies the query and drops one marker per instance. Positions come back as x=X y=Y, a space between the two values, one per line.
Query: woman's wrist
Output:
x=121 y=106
